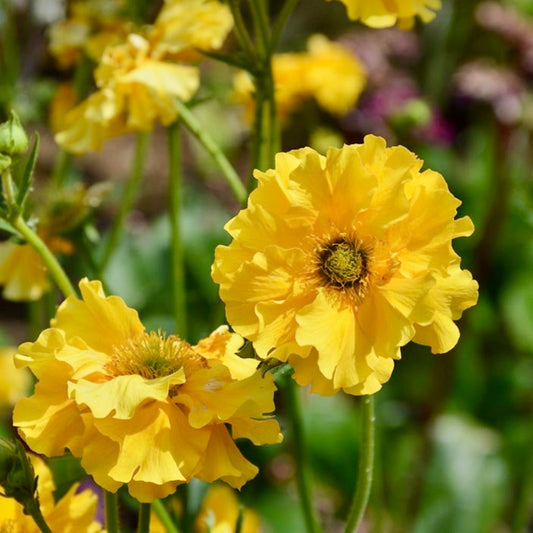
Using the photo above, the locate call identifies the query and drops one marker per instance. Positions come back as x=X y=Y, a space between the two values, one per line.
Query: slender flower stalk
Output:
x=178 y=270
x=143 y=525
x=286 y=10
x=366 y=466
x=164 y=517
x=128 y=198
x=241 y=32
x=111 y=512
x=303 y=472
x=38 y=518
x=192 y=124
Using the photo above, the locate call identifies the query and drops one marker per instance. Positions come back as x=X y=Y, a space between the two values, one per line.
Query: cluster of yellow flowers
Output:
x=337 y=262
x=139 y=78
x=327 y=72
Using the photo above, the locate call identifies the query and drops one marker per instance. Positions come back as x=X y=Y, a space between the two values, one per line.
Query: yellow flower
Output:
x=139 y=79
x=220 y=511
x=135 y=91
x=340 y=260
x=22 y=272
x=93 y=25
x=385 y=13
x=183 y=25
x=14 y=382
x=327 y=72
x=73 y=513
x=157 y=406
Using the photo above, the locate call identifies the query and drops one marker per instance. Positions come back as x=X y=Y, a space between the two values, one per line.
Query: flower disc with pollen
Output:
x=142 y=408
x=340 y=260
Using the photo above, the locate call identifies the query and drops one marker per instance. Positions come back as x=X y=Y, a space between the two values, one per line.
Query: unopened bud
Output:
x=13 y=138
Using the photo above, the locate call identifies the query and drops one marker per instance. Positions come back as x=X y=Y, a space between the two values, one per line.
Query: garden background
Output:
x=454 y=431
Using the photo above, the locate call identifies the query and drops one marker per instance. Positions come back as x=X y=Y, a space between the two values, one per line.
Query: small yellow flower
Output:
x=90 y=28
x=340 y=260
x=22 y=272
x=140 y=78
x=386 y=13
x=73 y=513
x=14 y=382
x=135 y=91
x=327 y=72
x=183 y=25
x=220 y=511
x=159 y=407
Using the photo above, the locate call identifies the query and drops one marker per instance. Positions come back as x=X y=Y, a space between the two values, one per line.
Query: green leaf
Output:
x=6 y=226
x=234 y=60
x=27 y=176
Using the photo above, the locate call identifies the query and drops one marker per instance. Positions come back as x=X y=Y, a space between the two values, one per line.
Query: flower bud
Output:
x=13 y=138
x=17 y=477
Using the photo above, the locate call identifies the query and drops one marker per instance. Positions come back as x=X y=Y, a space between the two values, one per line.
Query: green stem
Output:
x=366 y=466
x=214 y=150
x=301 y=456
x=164 y=516
x=112 y=522
x=281 y=21
x=260 y=20
x=128 y=198
x=55 y=269
x=38 y=518
x=241 y=32
x=178 y=270
x=143 y=525
x=61 y=166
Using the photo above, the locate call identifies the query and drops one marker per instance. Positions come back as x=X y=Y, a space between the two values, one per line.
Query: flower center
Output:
x=151 y=355
x=343 y=263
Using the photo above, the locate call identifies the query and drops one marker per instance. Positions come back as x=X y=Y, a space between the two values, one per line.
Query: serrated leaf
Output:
x=27 y=176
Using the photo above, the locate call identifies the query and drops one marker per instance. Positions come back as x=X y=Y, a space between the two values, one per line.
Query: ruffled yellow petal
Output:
x=102 y=322
x=223 y=460
x=339 y=261
x=122 y=395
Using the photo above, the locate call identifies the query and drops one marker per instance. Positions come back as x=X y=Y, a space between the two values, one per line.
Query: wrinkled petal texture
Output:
x=386 y=13
x=158 y=431
x=276 y=294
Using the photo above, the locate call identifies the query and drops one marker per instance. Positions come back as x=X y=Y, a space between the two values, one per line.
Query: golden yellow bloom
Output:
x=340 y=260
x=220 y=511
x=73 y=513
x=327 y=72
x=183 y=25
x=14 y=382
x=135 y=91
x=157 y=406
x=139 y=79
x=386 y=13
